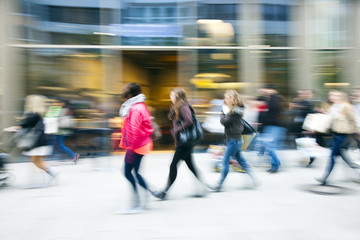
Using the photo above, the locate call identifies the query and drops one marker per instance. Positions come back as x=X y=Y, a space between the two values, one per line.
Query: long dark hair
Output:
x=180 y=96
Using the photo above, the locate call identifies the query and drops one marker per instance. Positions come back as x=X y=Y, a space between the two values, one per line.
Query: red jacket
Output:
x=137 y=128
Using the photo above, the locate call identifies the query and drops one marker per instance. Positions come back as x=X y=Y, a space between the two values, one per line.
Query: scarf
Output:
x=125 y=107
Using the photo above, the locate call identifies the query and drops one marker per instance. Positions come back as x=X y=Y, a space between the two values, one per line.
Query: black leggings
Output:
x=181 y=153
x=132 y=161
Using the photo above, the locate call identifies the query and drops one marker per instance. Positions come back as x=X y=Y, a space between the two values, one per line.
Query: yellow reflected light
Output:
x=221 y=56
x=227 y=85
x=227 y=66
x=337 y=84
x=202 y=80
x=212 y=75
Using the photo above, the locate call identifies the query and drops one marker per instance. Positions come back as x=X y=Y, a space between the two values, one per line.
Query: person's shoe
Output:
x=75 y=159
x=273 y=170
x=212 y=188
x=356 y=180
x=255 y=183
x=132 y=210
x=54 y=179
x=312 y=159
x=355 y=166
x=321 y=180
x=160 y=195
x=217 y=188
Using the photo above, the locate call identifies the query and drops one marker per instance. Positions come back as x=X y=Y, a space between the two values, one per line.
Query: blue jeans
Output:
x=273 y=138
x=234 y=150
x=337 y=150
x=60 y=141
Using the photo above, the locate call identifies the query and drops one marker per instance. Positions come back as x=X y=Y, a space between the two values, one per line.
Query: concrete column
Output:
x=301 y=77
x=11 y=67
x=354 y=55
x=251 y=69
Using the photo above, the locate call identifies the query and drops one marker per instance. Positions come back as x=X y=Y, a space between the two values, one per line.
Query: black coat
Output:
x=275 y=116
x=185 y=117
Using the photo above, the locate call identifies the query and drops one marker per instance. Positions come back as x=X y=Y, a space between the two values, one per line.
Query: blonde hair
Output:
x=234 y=99
x=180 y=96
x=36 y=104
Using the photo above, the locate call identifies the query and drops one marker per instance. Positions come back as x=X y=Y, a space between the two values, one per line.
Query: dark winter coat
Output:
x=185 y=117
x=275 y=116
x=233 y=123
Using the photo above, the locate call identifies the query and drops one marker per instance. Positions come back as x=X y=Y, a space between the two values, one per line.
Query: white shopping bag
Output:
x=51 y=125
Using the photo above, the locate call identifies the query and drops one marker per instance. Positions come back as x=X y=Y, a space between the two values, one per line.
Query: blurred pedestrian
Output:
x=300 y=107
x=274 y=127
x=35 y=109
x=355 y=100
x=343 y=124
x=181 y=115
x=136 y=138
x=66 y=126
x=64 y=121
x=232 y=119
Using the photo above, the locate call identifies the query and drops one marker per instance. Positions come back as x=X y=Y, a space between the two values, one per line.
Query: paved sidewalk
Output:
x=84 y=202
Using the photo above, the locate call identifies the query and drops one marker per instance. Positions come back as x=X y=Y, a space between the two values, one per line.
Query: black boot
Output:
x=161 y=195
x=312 y=159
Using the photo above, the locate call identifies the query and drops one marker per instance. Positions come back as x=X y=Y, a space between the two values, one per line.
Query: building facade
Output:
x=86 y=50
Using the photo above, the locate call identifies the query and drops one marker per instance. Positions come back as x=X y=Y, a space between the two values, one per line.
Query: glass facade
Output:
x=88 y=50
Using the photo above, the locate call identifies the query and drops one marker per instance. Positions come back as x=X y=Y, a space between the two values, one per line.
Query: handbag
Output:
x=192 y=135
x=317 y=122
x=248 y=129
x=26 y=139
x=157 y=131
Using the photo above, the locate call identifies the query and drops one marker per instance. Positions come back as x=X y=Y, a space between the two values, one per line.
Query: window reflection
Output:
x=203 y=46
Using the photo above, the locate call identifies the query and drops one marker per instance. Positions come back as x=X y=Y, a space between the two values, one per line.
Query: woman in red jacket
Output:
x=136 y=136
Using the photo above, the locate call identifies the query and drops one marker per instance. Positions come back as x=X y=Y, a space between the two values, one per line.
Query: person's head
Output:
x=36 y=104
x=131 y=90
x=270 y=89
x=305 y=93
x=336 y=96
x=232 y=99
x=178 y=96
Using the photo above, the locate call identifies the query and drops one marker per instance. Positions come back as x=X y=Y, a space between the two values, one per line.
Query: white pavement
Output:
x=84 y=202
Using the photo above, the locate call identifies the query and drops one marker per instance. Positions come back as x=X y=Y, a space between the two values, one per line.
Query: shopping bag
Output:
x=317 y=122
x=51 y=125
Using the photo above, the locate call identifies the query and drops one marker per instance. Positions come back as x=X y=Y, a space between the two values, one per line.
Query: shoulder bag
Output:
x=248 y=129
x=26 y=139
x=192 y=135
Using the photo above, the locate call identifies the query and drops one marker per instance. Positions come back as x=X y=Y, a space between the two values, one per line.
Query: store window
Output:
x=330 y=23
x=276 y=24
x=327 y=70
